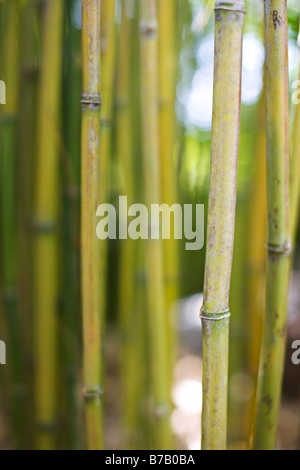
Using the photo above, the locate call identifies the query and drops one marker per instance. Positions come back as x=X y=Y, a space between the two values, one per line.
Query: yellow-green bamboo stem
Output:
x=256 y=259
x=8 y=211
x=25 y=180
x=46 y=220
x=236 y=426
x=229 y=24
x=154 y=254
x=295 y=168
x=90 y=153
x=107 y=86
x=277 y=120
x=129 y=352
x=71 y=319
x=167 y=84
x=167 y=93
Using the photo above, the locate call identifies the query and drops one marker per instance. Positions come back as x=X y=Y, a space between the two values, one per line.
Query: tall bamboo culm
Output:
x=107 y=86
x=256 y=260
x=295 y=165
x=29 y=34
x=130 y=345
x=229 y=23
x=46 y=227
x=278 y=246
x=70 y=344
x=8 y=215
x=154 y=254
x=167 y=123
x=90 y=273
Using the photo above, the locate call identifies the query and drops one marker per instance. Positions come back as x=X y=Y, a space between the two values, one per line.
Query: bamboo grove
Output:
x=149 y=206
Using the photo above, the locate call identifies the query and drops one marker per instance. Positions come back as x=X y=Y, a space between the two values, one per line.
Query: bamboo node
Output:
x=160 y=411
x=237 y=6
x=93 y=100
x=92 y=392
x=149 y=30
x=284 y=249
x=214 y=316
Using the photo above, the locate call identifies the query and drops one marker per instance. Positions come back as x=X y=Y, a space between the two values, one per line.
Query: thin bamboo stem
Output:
x=154 y=253
x=90 y=148
x=256 y=260
x=107 y=40
x=277 y=116
x=130 y=355
x=71 y=344
x=167 y=93
x=25 y=194
x=295 y=167
x=8 y=162
x=221 y=217
x=45 y=224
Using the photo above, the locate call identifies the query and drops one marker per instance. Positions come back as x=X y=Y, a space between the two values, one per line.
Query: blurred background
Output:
x=40 y=310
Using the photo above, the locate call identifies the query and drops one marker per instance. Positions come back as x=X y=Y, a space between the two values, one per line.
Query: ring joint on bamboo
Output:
x=235 y=6
x=94 y=100
x=149 y=30
x=284 y=249
x=214 y=316
x=92 y=392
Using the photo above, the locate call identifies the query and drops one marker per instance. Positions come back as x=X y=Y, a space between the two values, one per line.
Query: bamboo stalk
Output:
x=9 y=263
x=256 y=259
x=167 y=84
x=46 y=219
x=236 y=422
x=71 y=344
x=221 y=216
x=90 y=147
x=107 y=41
x=278 y=247
x=295 y=167
x=107 y=81
x=127 y=318
x=154 y=253
x=25 y=193
x=167 y=93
